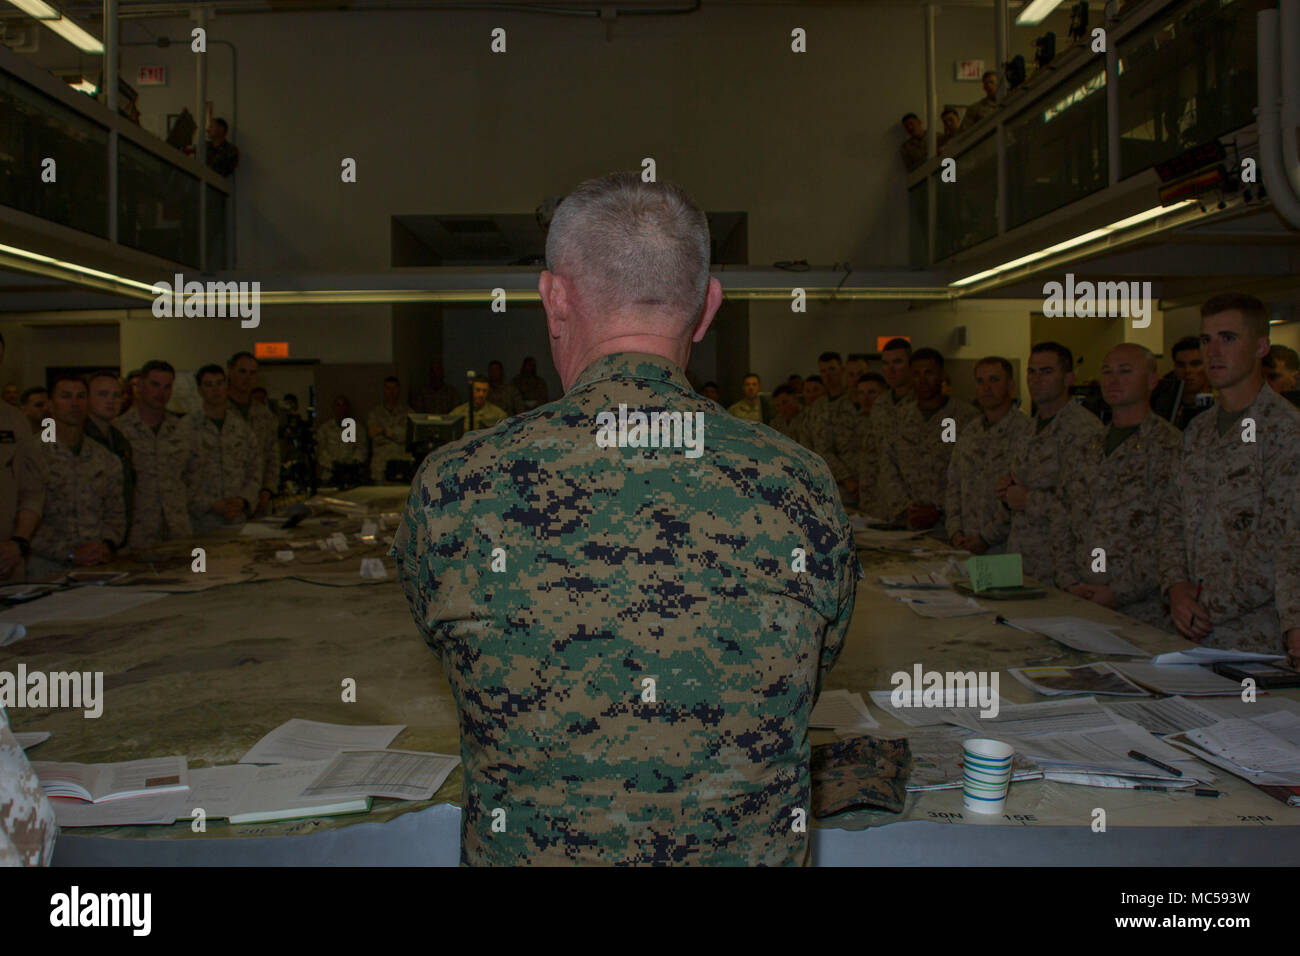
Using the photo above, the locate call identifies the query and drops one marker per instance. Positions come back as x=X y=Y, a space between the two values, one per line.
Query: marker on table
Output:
x=1198 y=791
x=1155 y=763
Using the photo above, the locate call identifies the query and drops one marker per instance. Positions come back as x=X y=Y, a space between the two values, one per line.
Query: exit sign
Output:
x=883 y=340
x=151 y=76
x=970 y=69
x=273 y=350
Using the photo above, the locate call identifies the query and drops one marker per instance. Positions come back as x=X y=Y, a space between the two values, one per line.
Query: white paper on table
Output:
x=1248 y=745
x=1284 y=779
x=920 y=716
x=1106 y=751
x=11 y=633
x=1048 y=717
x=219 y=790
x=153 y=808
x=937 y=604
x=1080 y=634
x=1187 y=680
x=1170 y=715
x=841 y=709
x=1212 y=655
x=30 y=739
x=1236 y=707
x=931 y=580
x=114 y=781
x=281 y=787
x=300 y=740
x=400 y=774
x=80 y=604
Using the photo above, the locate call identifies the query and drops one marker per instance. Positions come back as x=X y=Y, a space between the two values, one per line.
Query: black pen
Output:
x=1199 y=791
x=1155 y=763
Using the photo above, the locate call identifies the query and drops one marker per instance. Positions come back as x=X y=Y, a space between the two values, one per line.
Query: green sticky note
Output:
x=994 y=571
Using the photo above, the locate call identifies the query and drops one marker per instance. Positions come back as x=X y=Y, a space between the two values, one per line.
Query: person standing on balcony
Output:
x=223 y=156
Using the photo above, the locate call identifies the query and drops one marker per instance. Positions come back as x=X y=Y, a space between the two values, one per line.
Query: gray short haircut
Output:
x=629 y=243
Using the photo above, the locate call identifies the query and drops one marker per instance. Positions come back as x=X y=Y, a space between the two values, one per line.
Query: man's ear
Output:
x=712 y=301
x=551 y=289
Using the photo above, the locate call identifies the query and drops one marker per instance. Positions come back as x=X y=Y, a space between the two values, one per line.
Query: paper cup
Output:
x=986 y=774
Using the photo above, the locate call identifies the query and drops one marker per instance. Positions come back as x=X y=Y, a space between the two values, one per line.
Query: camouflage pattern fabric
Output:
x=832 y=429
x=266 y=431
x=750 y=413
x=914 y=469
x=160 y=511
x=507 y=398
x=982 y=456
x=391 y=444
x=1112 y=502
x=860 y=773
x=22 y=478
x=532 y=389
x=116 y=442
x=27 y=827
x=435 y=401
x=83 y=501
x=635 y=686
x=223 y=464
x=787 y=427
x=1231 y=519
x=1038 y=462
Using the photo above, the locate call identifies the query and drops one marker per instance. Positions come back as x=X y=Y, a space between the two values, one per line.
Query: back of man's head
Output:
x=629 y=246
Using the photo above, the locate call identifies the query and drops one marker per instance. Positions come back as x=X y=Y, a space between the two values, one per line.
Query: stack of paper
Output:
x=1080 y=634
x=1212 y=655
x=918 y=715
x=1263 y=750
x=1187 y=680
x=842 y=710
x=1099 y=678
x=937 y=760
x=937 y=604
x=1168 y=715
x=1081 y=757
x=300 y=740
x=150 y=791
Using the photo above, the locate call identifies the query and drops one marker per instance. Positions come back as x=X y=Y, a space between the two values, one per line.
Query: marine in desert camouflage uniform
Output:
x=161 y=450
x=84 y=520
x=912 y=486
x=974 y=518
x=224 y=473
x=1110 y=496
x=1230 y=523
x=1062 y=430
x=386 y=426
x=635 y=683
x=27 y=827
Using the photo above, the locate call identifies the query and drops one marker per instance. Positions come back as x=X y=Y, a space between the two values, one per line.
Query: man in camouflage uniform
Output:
x=1110 y=496
x=895 y=359
x=331 y=449
x=500 y=392
x=1229 y=550
x=636 y=675
x=832 y=426
x=241 y=377
x=529 y=386
x=105 y=399
x=974 y=519
x=913 y=479
x=485 y=413
x=1063 y=430
x=22 y=489
x=438 y=398
x=85 y=512
x=27 y=827
x=750 y=407
x=161 y=450
x=225 y=473
x=386 y=425
x=786 y=419
x=865 y=459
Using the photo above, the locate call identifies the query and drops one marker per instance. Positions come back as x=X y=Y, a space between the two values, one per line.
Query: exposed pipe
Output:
x=1276 y=181
x=1290 y=89
x=109 y=84
x=201 y=142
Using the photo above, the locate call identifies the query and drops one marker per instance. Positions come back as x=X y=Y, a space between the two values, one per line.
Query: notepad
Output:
x=994 y=571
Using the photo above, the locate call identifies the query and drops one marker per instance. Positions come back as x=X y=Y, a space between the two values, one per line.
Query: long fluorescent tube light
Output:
x=1036 y=12
x=75 y=35
x=84 y=270
x=36 y=9
x=1114 y=227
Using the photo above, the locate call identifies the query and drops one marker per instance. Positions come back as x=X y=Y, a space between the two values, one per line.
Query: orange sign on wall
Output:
x=271 y=350
x=882 y=340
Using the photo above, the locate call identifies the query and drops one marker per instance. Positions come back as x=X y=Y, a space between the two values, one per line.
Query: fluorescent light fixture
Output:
x=37 y=9
x=1080 y=240
x=63 y=264
x=75 y=35
x=1035 y=12
x=85 y=86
